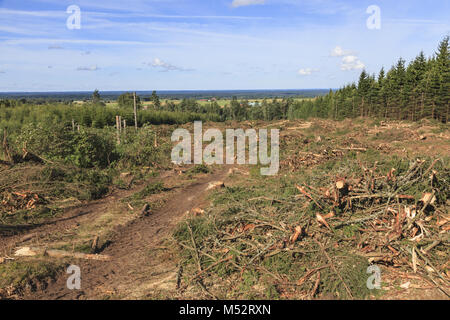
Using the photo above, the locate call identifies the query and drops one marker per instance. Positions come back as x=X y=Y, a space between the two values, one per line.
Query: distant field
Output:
x=220 y=102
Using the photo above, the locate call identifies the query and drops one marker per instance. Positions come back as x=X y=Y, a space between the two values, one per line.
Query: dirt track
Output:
x=134 y=271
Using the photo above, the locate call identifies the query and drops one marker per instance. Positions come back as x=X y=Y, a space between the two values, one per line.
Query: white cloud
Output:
x=158 y=63
x=91 y=68
x=306 y=71
x=351 y=63
x=349 y=60
x=339 y=52
x=242 y=3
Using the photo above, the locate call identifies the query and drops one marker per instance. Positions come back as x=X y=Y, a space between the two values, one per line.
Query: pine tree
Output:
x=442 y=69
x=96 y=97
x=155 y=100
x=363 y=90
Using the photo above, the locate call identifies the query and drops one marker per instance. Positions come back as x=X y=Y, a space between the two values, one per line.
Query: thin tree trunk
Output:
x=362 y=107
x=135 y=111
x=423 y=106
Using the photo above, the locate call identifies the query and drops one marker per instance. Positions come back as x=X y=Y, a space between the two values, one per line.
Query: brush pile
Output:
x=307 y=159
x=397 y=215
x=322 y=240
x=13 y=201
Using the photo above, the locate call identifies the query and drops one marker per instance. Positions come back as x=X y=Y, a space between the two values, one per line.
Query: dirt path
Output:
x=74 y=215
x=135 y=271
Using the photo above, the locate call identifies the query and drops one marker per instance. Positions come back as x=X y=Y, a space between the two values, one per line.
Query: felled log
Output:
x=355 y=149
x=32 y=251
x=28 y=156
x=215 y=184
x=16 y=228
x=4 y=163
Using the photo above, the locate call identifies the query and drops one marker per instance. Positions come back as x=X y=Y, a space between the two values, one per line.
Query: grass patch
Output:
x=27 y=274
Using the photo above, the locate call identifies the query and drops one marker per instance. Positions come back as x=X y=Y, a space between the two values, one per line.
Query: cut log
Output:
x=145 y=209
x=31 y=252
x=322 y=220
x=298 y=232
x=28 y=237
x=341 y=184
x=216 y=184
x=197 y=212
x=29 y=156
x=428 y=198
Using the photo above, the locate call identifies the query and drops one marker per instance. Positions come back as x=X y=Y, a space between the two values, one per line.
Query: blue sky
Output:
x=208 y=44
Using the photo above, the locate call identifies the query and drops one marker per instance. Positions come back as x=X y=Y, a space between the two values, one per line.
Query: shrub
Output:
x=86 y=148
x=140 y=150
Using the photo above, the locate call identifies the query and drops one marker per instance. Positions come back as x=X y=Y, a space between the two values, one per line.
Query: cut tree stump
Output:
x=341 y=184
x=145 y=209
x=94 y=246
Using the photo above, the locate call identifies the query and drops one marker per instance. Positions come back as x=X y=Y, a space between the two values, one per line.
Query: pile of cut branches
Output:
x=13 y=201
x=306 y=159
x=321 y=241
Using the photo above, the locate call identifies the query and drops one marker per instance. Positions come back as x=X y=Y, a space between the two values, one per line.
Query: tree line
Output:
x=413 y=91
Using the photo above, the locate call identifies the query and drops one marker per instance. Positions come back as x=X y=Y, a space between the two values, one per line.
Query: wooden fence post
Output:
x=118 y=129
x=135 y=111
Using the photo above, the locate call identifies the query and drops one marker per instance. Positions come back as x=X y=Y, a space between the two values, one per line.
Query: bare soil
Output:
x=136 y=269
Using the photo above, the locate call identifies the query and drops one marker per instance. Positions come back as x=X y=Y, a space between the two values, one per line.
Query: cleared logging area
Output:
x=313 y=231
x=349 y=195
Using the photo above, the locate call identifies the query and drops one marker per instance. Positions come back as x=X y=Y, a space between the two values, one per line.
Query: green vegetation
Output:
x=243 y=240
x=26 y=275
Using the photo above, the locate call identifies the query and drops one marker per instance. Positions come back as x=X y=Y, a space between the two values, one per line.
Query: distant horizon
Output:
x=169 y=90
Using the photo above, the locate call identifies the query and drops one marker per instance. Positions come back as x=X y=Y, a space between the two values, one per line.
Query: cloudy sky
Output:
x=208 y=44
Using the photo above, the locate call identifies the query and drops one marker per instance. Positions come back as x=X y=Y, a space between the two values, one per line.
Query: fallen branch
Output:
x=31 y=252
x=334 y=269
x=354 y=149
x=195 y=247
x=303 y=191
x=210 y=267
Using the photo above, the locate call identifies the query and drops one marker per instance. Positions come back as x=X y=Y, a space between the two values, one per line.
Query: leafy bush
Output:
x=86 y=148
x=140 y=149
